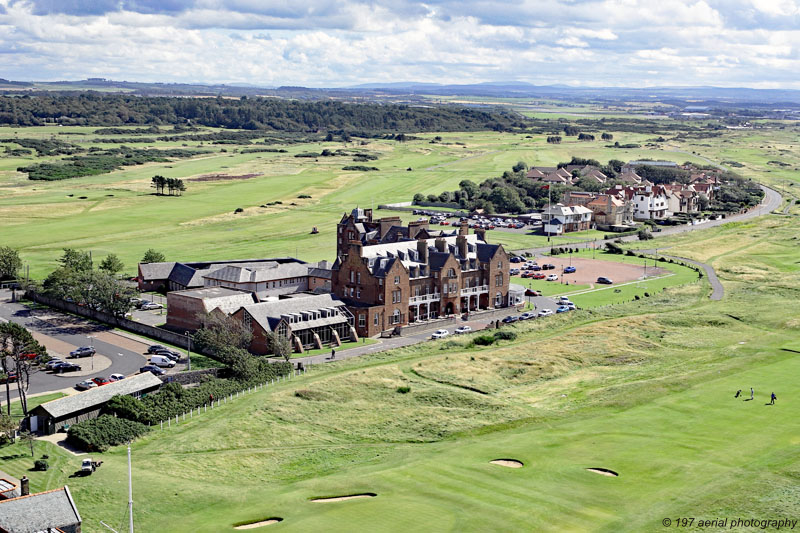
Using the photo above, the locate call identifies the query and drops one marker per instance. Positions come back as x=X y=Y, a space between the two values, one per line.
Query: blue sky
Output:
x=328 y=43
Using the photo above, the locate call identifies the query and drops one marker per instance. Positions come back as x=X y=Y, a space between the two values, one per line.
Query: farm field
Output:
x=118 y=212
x=645 y=389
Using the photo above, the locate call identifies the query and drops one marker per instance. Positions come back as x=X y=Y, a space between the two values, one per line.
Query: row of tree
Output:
x=173 y=185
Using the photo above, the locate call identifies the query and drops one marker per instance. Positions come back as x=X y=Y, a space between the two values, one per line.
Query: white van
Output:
x=161 y=360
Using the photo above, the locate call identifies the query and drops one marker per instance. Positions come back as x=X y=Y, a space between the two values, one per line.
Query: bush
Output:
x=404 y=389
x=239 y=210
x=40 y=465
x=99 y=434
x=484 y=340
x=614 y=248
x=505 y=335
x=304 y=196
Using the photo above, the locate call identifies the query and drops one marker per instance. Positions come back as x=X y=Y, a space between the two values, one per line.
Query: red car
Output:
x=531 y=292
x=539 y=275
x=101 y=381
x=527 y=275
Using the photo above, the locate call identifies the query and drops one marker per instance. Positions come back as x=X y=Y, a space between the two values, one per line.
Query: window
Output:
x=358 y=293
x=376 y=318
x=380 y=296
x=396 y=316
x=451 y=273
x=350 y=235
x=352 y=276
x=498 y=300
x=362 y=320
x=453 y=287
x=397 y=280
x=358 y=277
x=380 y=282
x=499 y=264
x=247 y=321
x=351 y=291
x=498 y=280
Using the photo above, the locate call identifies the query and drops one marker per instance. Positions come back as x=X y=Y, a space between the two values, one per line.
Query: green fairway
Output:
x=643 y=388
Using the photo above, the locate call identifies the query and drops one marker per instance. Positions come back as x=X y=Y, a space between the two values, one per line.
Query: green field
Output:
x=644 y=388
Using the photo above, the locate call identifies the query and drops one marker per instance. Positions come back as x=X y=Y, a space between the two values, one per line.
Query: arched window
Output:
x=498 y=300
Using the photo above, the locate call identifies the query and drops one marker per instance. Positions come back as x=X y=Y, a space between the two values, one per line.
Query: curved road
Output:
x=772 y=201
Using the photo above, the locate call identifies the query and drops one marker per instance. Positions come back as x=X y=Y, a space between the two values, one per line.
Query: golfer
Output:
x=772 y=399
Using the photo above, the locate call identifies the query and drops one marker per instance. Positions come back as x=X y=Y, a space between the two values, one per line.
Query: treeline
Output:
x=102 y=161
x=245 y=113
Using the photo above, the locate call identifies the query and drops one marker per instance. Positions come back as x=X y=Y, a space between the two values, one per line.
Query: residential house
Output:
x=610 y=211
x=560 y=218
x=682 y=198
x=649 y=201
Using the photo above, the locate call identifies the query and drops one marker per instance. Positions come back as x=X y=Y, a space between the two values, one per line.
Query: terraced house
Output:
x=415 y=276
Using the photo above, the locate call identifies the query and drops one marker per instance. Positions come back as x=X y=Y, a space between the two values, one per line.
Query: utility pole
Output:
x=130 y=493
x=188 y=351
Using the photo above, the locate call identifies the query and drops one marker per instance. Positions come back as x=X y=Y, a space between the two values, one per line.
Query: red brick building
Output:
x=392 y=276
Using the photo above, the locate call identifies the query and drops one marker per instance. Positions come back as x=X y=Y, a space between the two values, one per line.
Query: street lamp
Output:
x=91 y=345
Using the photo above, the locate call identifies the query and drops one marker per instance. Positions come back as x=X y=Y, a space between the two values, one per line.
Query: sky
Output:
x=334 y=43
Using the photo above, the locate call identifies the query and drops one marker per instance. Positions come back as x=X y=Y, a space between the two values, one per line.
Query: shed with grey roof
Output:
x=50 y=417
x=53 y=510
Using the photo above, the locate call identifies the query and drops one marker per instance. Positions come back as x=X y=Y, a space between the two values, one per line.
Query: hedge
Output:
x=98 y=434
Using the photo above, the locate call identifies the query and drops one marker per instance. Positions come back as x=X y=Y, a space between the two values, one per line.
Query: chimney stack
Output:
x=422 y=250
x=25 y=487
x=463 y=229
x=461 y=245
x=441 y=245
x=481 y=233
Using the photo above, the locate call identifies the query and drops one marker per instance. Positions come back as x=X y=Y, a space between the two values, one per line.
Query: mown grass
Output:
x=644 y=388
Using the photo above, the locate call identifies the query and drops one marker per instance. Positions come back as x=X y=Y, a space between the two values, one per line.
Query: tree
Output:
x=644 y=235
x=10 y=262
x=585 y=137
x=419 y=197
x=702 y=202
x=281 y=345
x=29 y=438
x=520 y=166
x=16 y=346
x=554 y=139
x=180 y=186
x=8 y=426
x=152 y=256
x=111 y=264
x=220 y=333
x=76 y=260
x=158 y=183
x=109 y=295
x=329 y=137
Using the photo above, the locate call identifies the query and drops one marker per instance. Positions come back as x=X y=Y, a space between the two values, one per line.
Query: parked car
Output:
x=60 y=368
x=172 y=354
x=11 y=377
x=527 y=315
x=527 y=274
x=152 y=369
x=116 y=377
x=535 y=268
x=29 y=356
x=151 y=306
x=510 y=319
x=463 y=329
x=440 y=334
x=156 y=347
x=571 y=306
x=162 y=360
x=569 y=270
x=52 y=362
x=100 y=381
x=562 y=309
x=516 y=259
x=545 y=312
x=539 y=275
x=548 y=266
x=563 y=300
x=86 y=385
x=604 y=280
x=552 y=277
x=531 y=292
x=83 y=351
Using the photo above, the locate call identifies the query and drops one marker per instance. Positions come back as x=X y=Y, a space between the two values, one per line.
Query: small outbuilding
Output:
x=53 y=510
x=50 y=417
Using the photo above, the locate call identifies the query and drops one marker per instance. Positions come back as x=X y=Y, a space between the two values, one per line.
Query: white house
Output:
x=560 y=219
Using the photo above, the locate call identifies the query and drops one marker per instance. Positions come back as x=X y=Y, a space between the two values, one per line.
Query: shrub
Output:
x=239 y=210
x=404 y=389
x=484 y=340
x=304 y=196
x=40 y=465
x=644 y=235
x=312 y=395
x=505 y=335
x=99 y=434
x=360 y=168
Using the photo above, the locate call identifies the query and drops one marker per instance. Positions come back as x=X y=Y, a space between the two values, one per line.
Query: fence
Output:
x=217 y=402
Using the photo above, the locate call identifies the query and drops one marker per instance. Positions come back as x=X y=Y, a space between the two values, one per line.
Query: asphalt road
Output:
x=123 y=359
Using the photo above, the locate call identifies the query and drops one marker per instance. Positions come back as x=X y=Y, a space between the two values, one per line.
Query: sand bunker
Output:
x=260 y=523
x=508 y=463
x=344 y=498
x=603 y=472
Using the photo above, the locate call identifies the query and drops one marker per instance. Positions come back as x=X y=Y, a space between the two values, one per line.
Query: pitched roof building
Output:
x=186 y=309
x=49 y=511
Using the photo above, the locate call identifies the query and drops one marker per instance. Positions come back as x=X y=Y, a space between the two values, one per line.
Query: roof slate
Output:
x=39 y=512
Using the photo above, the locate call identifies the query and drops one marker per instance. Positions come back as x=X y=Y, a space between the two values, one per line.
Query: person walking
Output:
x=333 y=353
x=752 y=393
x=738 y=393
x=772 y=399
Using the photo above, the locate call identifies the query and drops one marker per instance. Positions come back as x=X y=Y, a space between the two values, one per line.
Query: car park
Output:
x=60 y=368
x=545 y=312
x=604 y=281
x=440 y=334
x=11 y=377
x=161 y=360
x=569 y=270
x=527 y=275
x=510 y=319
x=52 y=362
x=527 y=315
x=463 y=329
x=562 y=309
x=152 y=369
x=535 y=268
x=86 y=385
x=552 y=277
x=514 y=271
x=571 y=306
x=531 y=292
x=548 y=266
x=516 y=259
x=563 y=300
x=172 y=354
x=116 y=377
x=100 y=381
x=83 y=351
